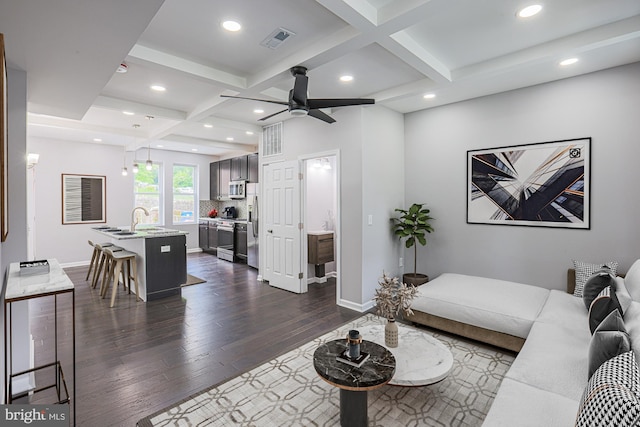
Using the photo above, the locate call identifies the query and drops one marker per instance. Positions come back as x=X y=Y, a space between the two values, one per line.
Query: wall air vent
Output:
x=272 y=140
x=277 y=37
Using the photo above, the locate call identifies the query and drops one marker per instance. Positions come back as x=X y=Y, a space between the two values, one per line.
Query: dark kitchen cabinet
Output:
x=203 y=238
x=224 y=177
x=213 y=237
x=214 y=181
x=239 y=168
x=252 y=168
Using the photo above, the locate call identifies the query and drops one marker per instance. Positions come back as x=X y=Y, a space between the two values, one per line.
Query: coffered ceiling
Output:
x=396 y=50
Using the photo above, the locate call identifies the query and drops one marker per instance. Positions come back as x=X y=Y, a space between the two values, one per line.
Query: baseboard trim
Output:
x=355 y=306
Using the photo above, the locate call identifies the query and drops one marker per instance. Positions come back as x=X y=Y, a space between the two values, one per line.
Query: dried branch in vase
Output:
x=393 y=296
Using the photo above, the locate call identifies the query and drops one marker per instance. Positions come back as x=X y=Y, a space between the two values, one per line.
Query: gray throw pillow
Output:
x=605 y=303
x=609 y=340
x=596 y=283
x=584 y=270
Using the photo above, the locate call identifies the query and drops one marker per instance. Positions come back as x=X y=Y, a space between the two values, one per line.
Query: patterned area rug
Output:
x=286 y=391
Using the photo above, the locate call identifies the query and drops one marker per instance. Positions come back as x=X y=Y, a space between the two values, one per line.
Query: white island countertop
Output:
x=123 y=233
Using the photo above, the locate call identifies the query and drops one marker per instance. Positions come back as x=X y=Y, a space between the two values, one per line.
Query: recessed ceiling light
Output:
x=194 y=149
x=258 y=111
x=229 y=138
x=158 y=88
x=429 y=96
x=569 y=61
x=249 y=132
x=128 y=113
x=160 y=146
x=231 y=26
x=97 y=139
x=346 y=78
x=208 y=125
x=529 y=11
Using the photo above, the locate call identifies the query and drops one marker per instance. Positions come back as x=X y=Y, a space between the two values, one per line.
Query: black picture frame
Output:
x=545 y=184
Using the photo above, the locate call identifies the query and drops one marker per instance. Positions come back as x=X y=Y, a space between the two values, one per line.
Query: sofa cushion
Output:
x=554 y=359
x=584 y=270
x=632 y=323
x=595 y=284
x=498 y=305
x=521 y=405
x=605 y=303
x=609 y=340
x=564 y=309
x=632 y=280
x=623 y=294
x=612 y=396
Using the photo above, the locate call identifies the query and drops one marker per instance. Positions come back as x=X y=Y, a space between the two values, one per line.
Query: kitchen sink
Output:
x=125 y=233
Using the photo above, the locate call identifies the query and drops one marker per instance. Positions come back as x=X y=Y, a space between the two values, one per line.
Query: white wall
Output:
x=375 y=134
x=603 y=105
x=14 y=249
x=68 y=243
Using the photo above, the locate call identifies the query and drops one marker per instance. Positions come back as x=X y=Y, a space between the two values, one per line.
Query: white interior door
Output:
x=281 y=225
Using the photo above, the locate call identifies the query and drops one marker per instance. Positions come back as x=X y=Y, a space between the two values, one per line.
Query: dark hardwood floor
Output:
x=137 y=358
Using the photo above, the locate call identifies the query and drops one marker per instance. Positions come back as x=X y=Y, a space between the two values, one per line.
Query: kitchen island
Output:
x=161 y=257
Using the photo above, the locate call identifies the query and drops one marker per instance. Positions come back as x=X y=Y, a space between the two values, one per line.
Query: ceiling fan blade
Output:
x=300 y=89
x=322 y=116
x=255 y=99
x=274 y=114
x=338 y=102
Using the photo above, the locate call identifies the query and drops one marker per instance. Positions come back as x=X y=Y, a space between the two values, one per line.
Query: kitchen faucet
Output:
x=134 y=221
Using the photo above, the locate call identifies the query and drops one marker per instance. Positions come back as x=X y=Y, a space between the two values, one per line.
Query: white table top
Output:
x=420 y=358
x=21 y=287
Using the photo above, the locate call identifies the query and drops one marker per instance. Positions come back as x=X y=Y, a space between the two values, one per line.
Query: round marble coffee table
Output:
x=420 y=358
x=354 y=382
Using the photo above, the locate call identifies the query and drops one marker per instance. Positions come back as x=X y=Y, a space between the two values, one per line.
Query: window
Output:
x=184 y=194
x=147 y=188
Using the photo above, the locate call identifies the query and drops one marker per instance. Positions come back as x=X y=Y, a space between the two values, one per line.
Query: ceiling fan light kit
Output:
x=299 y=105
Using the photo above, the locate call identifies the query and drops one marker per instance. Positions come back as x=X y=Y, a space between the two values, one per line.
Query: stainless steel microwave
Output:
x=237 y=189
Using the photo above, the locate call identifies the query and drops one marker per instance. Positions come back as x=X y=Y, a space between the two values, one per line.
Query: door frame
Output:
x=303 y=200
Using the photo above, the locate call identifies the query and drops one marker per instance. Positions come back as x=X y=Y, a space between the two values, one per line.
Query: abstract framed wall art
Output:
x=545 y=184
x=83 y=199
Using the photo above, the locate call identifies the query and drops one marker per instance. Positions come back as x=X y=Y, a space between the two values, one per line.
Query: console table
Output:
x=25 y=287
x=354 y=382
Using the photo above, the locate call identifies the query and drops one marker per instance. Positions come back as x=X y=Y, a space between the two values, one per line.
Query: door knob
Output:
x=269 y=231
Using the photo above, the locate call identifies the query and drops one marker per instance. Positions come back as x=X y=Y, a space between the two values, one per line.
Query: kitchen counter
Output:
x=161 y=257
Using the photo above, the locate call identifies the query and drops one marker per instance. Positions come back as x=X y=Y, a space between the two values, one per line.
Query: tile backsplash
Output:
x=219 y=205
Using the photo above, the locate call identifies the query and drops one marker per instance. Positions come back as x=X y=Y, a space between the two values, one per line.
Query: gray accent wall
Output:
x=604 y=106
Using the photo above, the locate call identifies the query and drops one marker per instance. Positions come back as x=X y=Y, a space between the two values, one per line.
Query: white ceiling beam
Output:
x=117 y=104
x=154 y=56
x=249 y=148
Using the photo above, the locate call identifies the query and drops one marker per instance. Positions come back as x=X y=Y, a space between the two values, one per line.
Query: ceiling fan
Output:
x=300 y=105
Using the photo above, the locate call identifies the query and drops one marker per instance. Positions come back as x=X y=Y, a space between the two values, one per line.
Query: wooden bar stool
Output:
x=103 y=266
x=96 y=257
x=120 y=263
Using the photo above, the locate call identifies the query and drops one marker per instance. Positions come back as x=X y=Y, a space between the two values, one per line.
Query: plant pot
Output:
x=391 y=333
x=415 y=279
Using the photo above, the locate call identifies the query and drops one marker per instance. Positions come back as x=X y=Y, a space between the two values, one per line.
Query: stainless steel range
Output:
x=226 y=237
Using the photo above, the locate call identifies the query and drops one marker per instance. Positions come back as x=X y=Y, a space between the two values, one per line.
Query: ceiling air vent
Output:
x=277 y=37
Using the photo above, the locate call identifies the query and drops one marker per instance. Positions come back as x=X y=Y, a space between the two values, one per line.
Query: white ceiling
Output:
x=397 y=51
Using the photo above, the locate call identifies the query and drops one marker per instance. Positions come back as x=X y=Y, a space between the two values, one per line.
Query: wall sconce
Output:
x=32 y=159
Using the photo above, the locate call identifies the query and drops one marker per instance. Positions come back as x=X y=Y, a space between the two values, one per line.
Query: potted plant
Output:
x=412 y=225
x=392 y=297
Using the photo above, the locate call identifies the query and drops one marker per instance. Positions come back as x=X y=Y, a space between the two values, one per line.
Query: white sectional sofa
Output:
x=550 y=329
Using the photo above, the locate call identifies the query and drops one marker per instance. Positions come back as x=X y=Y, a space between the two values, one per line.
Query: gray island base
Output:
x=161 y=259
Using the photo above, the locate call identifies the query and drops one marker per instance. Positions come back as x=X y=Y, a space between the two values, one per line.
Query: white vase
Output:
x=391 y=333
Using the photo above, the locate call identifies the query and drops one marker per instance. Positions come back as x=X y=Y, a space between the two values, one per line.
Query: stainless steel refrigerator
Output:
x=253 y=250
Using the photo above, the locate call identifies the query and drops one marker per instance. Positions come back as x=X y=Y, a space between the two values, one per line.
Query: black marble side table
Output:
x=354 y=382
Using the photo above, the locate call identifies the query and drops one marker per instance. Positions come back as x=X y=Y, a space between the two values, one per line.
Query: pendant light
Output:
x=124 y=162
x=149 y=163
x=135 y=168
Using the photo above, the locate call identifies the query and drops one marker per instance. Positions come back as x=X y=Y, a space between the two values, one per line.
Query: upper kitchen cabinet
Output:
x=239 y=168
x=214 y=178
x=224 y=177
x=252 y=162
